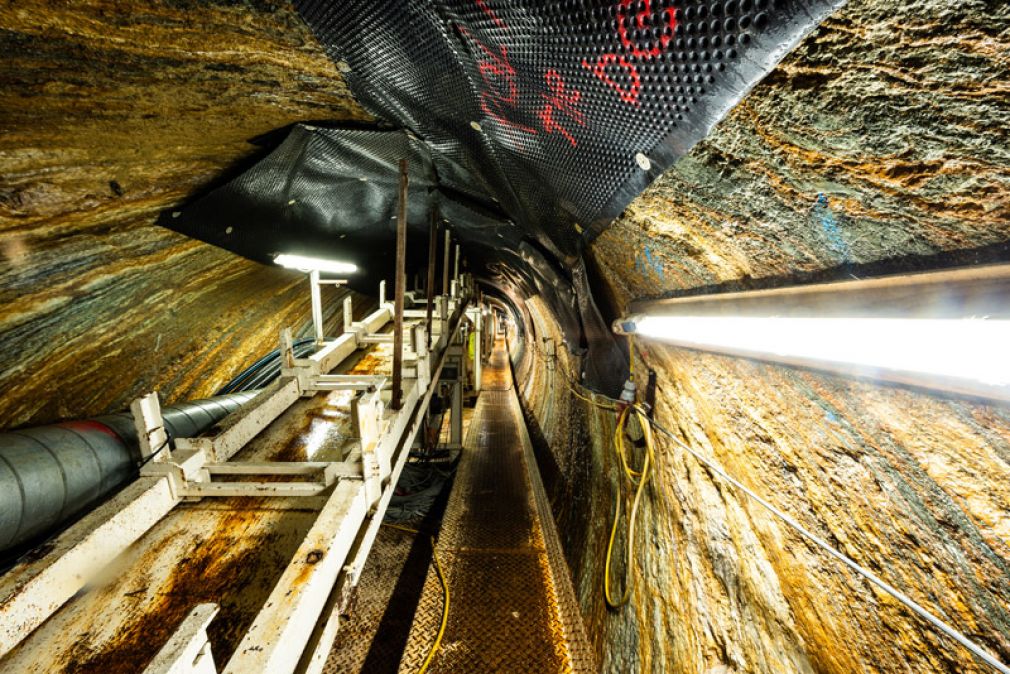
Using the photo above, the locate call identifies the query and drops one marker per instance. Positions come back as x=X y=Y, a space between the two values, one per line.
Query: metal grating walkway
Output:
x=512 y=606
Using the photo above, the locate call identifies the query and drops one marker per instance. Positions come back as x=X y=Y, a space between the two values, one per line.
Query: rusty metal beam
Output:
x=400 y=281
x=430 y=285
x=445 y=263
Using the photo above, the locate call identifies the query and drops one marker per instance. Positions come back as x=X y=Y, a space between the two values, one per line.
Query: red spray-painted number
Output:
x=645 y=21
x=645 y=47
x=629 y=93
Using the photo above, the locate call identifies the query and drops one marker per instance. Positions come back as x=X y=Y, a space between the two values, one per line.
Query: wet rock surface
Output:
x=884 y=135
x=110 y=114
x=881 y=143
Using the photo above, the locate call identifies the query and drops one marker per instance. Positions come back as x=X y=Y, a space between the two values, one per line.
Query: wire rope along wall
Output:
x=937 y=623
x=908 y=602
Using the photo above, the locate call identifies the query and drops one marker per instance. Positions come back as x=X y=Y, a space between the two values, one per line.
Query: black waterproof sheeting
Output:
x=532 y=124
x=560 y=111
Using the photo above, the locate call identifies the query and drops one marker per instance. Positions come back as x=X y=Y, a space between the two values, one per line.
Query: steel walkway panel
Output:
x=512 y=605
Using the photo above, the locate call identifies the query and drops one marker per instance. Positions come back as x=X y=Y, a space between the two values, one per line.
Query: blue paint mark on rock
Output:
x=825 y=218
x=649 y=264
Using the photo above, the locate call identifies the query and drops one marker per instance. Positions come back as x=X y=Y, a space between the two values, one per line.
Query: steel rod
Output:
x=317 y=306
x=445 y=263
x=401 y=280
x=432 y=255
x=455 y=266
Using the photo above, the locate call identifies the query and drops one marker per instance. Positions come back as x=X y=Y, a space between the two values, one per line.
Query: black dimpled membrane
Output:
x=531 y=124
x=561 y=112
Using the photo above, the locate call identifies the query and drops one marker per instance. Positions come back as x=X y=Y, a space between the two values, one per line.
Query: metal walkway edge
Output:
x=512 y=605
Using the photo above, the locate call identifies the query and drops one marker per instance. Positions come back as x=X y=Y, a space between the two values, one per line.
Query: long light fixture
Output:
x=945 y=330
x=974 y=349
x=303 y=263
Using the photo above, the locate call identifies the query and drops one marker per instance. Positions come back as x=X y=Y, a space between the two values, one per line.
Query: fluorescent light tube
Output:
x=303 y=263
x=974 y=349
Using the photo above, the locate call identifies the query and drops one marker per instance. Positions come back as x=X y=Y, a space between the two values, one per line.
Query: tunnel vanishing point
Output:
x=506 y=336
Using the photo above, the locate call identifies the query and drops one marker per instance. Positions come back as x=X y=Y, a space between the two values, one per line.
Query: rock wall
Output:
x=881 y=143
x=883 y=139
x=109 y=113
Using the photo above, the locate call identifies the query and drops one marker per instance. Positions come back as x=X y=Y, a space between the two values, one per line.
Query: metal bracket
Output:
x=150 y=427
x=188 y=651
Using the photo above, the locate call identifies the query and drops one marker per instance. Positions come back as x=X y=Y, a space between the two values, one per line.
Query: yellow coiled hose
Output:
x=635 y=479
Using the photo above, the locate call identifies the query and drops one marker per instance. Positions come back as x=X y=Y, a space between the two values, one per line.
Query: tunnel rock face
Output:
x=883 y=135
x=112 y=113
x=879 y=144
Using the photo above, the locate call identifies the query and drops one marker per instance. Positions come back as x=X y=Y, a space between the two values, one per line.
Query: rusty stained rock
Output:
x=884 y=135
x=881 y=143
x=110 y=115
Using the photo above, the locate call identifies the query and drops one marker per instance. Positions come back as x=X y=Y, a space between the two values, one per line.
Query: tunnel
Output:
x=505 y=336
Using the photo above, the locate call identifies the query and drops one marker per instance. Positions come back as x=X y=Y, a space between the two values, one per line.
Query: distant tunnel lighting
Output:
x=303 y=263
x=971 y=349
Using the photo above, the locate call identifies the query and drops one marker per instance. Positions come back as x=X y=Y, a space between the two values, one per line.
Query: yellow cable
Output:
x=605 y=406
x=637 y=478
x=445 y=595
x=445 y=611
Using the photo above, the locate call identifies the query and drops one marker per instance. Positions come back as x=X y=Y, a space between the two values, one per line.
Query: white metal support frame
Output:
x=317 y=302
x=188 y=651
x=476 y=316
x=151 y=434
x=355 y=494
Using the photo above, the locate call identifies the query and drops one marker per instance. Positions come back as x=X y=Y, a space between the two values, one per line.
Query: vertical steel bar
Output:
x=348 y=314
x=650 y=394
x=456 y=411
x=445 y=265
x=432 y=254
x=401 y=280
x=478 y=370
x=455 y=266
x=317 y=306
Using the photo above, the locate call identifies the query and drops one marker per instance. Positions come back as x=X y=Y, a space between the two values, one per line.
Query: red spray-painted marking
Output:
x=490 y=12
x=563 y=101
x=628 y=94
x=499 y=98
x=501 y=94
x=643 y=49
x=643 y=22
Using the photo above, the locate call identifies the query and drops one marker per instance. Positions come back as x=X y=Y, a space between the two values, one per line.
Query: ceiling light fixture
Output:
x=303 y=263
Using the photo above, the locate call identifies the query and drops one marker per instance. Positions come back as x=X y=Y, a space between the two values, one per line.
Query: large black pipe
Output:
x=50 y=474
